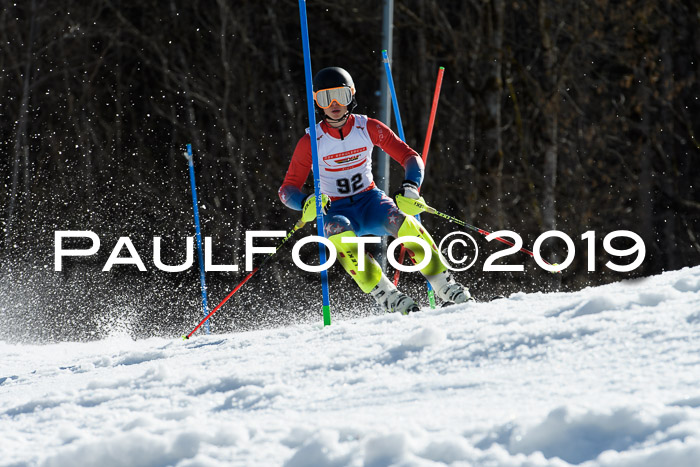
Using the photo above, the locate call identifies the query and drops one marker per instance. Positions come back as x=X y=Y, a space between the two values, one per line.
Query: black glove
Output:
x=410 y=202
x=409 y=189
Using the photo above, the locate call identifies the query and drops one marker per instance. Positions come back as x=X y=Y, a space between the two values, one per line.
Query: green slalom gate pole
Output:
x=314 y=157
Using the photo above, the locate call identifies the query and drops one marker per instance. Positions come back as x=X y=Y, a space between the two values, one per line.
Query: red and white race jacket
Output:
x=345 y=159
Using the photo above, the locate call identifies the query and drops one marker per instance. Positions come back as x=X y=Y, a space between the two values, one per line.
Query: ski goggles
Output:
x=342 y=96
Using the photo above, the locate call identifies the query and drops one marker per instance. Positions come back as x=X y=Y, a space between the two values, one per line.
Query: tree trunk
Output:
x=494 y=96
x=550 y=114
x=21 y=147
x=666 y=141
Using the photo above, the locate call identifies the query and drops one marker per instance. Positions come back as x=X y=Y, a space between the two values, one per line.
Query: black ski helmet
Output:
x=334 y=77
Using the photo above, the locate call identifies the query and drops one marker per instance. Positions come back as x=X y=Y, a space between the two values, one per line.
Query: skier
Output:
x=352 y=204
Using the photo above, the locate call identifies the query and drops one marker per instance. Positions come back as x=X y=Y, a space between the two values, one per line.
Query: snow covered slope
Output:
x=604 y=376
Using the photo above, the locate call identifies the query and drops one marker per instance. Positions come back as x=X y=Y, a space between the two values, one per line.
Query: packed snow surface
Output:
x=604 y=376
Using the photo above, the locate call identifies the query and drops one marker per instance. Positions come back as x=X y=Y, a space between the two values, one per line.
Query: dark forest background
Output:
x=576 y=116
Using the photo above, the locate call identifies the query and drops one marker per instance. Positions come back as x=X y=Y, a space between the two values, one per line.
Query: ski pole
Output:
x=198 y=234
x=296 y=227
x=432 y=210
x=426 y=148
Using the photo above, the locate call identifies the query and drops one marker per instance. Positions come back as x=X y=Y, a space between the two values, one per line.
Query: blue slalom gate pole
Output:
x=392 y=89
x=198 y=236
x=399 y=125
x=314 y=156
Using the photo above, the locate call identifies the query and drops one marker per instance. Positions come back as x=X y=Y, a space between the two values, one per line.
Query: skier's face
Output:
x=336 y=111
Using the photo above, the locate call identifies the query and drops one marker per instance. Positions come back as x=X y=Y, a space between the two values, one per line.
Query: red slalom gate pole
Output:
x=426 y=148
x=296 y=227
